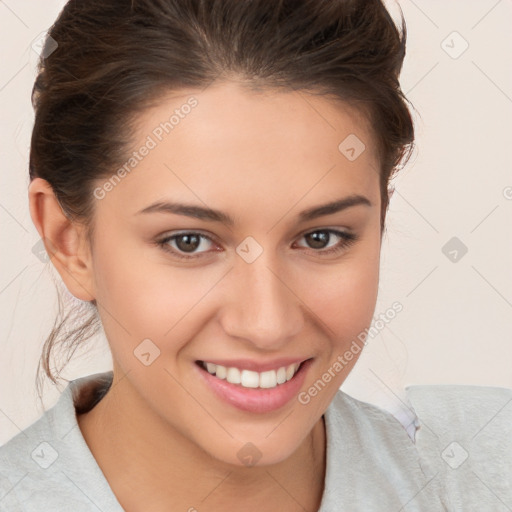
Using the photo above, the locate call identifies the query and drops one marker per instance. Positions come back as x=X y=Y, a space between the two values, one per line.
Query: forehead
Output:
x=231 y=143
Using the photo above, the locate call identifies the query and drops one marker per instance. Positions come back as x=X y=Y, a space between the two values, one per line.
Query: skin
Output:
x=162 y=438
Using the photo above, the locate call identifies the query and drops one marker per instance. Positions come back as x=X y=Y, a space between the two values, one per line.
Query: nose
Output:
x=261 y=305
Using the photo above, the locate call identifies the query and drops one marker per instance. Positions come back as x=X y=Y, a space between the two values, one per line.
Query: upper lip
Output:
x=255 y=366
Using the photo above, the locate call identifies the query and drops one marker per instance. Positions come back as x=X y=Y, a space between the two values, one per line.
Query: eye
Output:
x=320 y=239
x=185 y=245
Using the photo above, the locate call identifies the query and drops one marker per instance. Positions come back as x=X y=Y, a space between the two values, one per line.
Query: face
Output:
x=248 y=272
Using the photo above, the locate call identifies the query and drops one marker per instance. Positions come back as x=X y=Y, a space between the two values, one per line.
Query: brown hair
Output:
x=115 y=58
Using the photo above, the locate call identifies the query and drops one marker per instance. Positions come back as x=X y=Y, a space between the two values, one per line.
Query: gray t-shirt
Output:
x=461 y=460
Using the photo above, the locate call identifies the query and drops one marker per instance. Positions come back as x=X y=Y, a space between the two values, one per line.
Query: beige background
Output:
x=455 y=326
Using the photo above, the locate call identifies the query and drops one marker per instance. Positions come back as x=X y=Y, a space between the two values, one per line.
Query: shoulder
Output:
x=460 y=458
x=461 y=403
x=372 y=462
x=466 y=413
x=25 y=457
x=19 y=453
x=466 y=432
x=366 y=420
x=38 y=466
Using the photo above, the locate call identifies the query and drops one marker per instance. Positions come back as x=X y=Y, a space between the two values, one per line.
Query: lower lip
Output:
x=258 y=400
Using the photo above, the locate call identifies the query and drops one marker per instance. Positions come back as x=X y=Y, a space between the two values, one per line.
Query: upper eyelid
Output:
x=327 y=228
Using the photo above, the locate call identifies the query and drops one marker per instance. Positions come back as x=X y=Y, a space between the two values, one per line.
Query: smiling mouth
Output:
x=251 y=379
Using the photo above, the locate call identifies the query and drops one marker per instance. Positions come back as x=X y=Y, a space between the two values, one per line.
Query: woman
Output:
x=213 y=178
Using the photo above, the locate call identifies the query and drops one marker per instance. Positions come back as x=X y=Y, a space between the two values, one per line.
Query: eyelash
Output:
x=347 y=239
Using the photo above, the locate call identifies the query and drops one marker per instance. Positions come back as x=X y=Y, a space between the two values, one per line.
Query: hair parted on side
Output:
x=116 y=58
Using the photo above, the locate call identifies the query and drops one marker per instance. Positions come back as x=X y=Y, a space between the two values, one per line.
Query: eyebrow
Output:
x=203 y=213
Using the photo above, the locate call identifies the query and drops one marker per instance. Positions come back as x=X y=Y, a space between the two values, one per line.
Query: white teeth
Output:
x=221 y=372
x=290 y=371
x=250 y=379
x=268 y=379
x=233 y=375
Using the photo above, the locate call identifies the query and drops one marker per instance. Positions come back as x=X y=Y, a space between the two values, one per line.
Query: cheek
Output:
x=139 y=296
x=143 y=295
x=344 y=297
x=353 y=298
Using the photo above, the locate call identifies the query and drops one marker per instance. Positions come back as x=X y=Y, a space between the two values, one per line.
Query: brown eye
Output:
x=188 y=242
x=320 y=239
x=185 y=245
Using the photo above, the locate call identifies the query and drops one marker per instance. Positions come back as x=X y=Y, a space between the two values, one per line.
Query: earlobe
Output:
x=63 y=240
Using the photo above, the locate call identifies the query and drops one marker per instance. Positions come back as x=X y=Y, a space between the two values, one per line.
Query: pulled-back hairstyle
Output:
x=115 y=58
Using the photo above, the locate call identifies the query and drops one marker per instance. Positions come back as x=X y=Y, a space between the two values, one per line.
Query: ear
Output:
x=64 y=240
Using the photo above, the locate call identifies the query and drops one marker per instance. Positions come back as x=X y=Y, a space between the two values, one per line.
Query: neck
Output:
x=151 y=466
